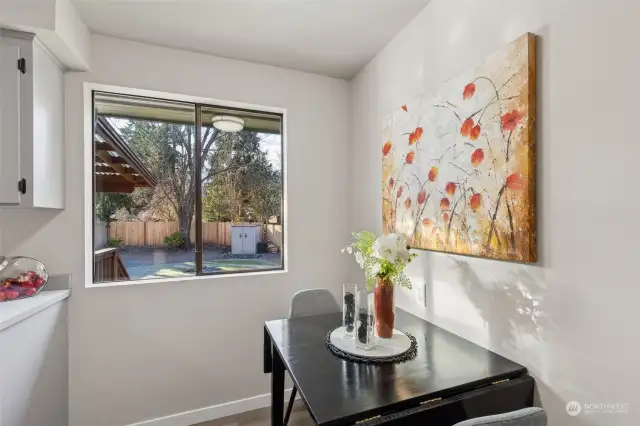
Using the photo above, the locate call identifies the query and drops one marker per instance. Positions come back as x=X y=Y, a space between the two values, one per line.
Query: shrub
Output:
x=174 y=241
x=114 y=241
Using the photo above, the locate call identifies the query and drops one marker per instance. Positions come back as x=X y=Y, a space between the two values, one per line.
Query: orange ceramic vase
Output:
x=384 y=308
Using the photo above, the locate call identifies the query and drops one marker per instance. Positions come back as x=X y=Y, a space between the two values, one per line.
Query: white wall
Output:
x=34 y=385
x=74 y=34
x=145 y=351
x=585 y=346
x=56 y=24
x=28 y=14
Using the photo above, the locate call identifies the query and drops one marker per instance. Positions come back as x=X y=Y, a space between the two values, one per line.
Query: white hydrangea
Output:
x=391 y=247
x=359 y=259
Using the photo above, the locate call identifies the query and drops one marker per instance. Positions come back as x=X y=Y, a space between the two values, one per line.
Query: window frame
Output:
x=199 y=102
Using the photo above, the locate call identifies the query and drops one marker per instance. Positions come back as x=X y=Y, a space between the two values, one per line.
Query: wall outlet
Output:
x=420 y=291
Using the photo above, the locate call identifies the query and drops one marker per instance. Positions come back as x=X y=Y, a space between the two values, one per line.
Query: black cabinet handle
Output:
x=22 y=186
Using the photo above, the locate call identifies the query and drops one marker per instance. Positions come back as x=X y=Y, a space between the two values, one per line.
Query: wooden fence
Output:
x=153 y=233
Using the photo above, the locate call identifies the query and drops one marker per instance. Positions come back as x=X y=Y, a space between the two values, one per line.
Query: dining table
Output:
x=450 y=379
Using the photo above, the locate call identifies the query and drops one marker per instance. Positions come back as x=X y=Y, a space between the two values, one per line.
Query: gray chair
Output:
x=306 y=303
x=532 y=416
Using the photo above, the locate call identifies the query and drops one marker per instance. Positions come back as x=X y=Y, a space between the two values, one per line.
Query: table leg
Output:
x=266 y=356
x=277 y=389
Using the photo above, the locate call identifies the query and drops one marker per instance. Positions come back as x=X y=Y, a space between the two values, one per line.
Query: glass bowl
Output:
x=21 y=277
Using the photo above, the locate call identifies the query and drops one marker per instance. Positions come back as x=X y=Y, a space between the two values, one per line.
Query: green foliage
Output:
x=174 y=241
x=114 y=241
x=243 y=185
x=107 y=204
x=218 y=202
x=373 y=262
x=110 y=206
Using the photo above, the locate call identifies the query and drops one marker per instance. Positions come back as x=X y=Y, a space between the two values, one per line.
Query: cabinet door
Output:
x=236 y=239
x=9 y=124
x=249 y=243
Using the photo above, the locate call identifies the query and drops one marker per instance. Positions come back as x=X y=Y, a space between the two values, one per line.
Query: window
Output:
x=184 y=189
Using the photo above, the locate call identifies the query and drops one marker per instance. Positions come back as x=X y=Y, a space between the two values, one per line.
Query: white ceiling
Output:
x=330 y=37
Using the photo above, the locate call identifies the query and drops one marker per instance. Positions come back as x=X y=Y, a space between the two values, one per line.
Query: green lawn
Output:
x=185 y=269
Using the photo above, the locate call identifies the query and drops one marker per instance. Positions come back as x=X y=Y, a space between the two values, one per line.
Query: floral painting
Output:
x=458 y=166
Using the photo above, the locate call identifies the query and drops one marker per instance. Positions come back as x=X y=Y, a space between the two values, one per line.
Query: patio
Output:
x=154 y=262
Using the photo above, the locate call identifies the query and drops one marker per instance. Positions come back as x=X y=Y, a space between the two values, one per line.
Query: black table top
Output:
x=339 y=390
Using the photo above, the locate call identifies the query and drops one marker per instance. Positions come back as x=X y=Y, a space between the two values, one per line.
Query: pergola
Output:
x=117 y=168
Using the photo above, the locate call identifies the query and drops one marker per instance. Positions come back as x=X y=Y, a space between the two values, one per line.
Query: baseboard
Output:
x=205 y=414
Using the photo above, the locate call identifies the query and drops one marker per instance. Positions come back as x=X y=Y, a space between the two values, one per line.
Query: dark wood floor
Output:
x=261 y=417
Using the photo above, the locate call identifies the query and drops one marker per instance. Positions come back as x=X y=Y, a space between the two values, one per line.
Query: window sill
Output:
x=181 y=279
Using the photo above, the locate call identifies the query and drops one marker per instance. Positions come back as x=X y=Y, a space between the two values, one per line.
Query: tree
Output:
x=244 y=186
x=265 y=192
x=168 y=151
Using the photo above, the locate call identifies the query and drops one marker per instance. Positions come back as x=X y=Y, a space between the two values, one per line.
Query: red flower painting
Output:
x=469 y=91
x=468 y=124
x=475 y=202
x=433 y=174
x=409 y=158
x=458 y=172
x=450 y=188
x=422 y=196
x=474 y=134
x=510 y=120
x=386 y=148
x=477 y=157
x=515 y=181
x=415 y=135
x=444 y=204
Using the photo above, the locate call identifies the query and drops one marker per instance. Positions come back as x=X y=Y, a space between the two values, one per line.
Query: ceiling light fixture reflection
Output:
x=228 y=123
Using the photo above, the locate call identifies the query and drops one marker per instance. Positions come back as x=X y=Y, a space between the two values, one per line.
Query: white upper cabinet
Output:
x=31 y=124
x=9 y=124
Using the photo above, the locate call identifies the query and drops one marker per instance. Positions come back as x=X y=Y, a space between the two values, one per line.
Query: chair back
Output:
x=531 y=416
x=318 y=301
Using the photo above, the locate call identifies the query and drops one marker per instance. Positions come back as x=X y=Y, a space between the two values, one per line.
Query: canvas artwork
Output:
x=458 y=166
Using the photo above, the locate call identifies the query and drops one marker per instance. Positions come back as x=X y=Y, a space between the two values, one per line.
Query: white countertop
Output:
x=17 y=310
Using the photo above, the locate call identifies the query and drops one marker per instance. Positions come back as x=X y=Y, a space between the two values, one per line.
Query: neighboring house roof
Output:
x=117 y=167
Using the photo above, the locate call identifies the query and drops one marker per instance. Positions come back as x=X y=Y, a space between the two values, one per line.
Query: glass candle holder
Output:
x=349 y=293
x=365 y=322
